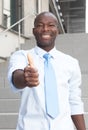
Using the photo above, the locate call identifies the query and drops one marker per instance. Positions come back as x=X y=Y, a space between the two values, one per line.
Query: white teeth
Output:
x=46 y=36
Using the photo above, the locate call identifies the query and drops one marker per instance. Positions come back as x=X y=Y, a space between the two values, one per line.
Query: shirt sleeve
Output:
x=75 y=98
x=17 y=61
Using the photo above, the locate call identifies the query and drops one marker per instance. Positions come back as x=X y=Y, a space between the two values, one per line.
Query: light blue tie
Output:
x=51 y=96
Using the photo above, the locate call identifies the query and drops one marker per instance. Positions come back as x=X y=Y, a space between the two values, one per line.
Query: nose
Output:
x=45 y=27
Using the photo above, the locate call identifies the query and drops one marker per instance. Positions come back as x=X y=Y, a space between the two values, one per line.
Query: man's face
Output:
x=45 y=31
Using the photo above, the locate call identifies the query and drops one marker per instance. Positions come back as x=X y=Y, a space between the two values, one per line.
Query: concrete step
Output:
x=9 y=101
x=6 y=93
x=9 y=105
x=7 y=129
x=8 y=121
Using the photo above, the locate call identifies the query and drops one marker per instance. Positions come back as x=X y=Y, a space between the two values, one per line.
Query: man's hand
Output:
x=31 y=76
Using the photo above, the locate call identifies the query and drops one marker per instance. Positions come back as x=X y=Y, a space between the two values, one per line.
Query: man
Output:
x=28 y=79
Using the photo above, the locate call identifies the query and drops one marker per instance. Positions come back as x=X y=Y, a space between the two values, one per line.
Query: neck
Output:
x=46 y=48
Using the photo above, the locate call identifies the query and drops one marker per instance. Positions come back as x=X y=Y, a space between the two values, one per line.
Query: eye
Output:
x=39 y=25
x=52 y=25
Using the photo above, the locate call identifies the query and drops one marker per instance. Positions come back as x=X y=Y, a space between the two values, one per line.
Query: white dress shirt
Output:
x=32 y=113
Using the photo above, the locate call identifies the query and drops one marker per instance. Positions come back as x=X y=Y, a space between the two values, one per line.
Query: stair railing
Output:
x=17 y=23
x=19 y=29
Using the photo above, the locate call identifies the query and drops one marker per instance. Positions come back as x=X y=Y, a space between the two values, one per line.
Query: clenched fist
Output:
x=31 y=76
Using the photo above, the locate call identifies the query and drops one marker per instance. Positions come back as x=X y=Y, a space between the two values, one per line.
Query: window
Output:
x=16 y=13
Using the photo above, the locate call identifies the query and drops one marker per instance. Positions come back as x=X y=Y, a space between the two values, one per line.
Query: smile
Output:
x=46 y=36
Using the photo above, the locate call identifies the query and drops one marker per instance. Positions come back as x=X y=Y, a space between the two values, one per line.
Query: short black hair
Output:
x=45 y=13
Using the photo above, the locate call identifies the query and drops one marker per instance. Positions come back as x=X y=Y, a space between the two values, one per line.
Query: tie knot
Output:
x=47 y=56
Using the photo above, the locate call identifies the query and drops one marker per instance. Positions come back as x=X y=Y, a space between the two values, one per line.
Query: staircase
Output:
x=9 y=102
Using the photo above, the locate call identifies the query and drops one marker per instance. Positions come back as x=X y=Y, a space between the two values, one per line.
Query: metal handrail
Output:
x=19 y=32
x=3 y=58
x=18 y=22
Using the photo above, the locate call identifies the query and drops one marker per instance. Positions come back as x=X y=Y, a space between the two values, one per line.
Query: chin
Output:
x=44 y=45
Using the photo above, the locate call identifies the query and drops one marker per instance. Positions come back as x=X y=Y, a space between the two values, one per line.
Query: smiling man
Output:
x=45 y=31
x=27 y=77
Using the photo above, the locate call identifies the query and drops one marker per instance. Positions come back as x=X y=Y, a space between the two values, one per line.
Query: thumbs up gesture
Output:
x=31 y=73
x=30 y=60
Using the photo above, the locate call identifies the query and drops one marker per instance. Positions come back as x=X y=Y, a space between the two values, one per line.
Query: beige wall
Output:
x=29 y=9
x=9 y=42
x=43 y=5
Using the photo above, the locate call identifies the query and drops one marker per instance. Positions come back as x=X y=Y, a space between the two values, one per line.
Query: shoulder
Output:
x=21 y=52
x=67 y=60
x=68 y=63
x=66 y=57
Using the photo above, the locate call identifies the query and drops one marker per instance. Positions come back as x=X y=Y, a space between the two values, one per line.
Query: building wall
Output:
x=9 y=42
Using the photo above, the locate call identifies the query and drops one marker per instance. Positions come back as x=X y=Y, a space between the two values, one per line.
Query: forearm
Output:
x=79 y=121
x=18 y=79
x=27 y=77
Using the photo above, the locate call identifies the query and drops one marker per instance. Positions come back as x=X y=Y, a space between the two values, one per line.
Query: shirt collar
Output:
x=39 y=51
